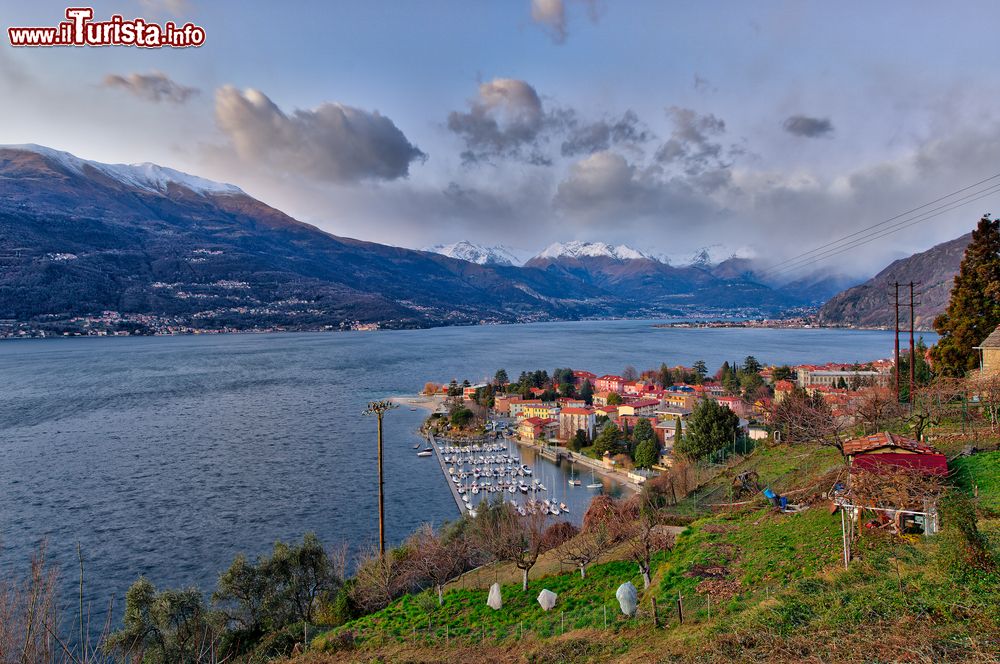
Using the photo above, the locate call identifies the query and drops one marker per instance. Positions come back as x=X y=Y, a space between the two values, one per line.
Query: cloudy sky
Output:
x=764 y=128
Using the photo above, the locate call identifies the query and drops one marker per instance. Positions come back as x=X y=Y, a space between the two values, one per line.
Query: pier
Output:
x=447 y=477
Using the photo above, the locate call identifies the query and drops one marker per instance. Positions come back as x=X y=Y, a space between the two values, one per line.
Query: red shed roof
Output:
x=885 y=439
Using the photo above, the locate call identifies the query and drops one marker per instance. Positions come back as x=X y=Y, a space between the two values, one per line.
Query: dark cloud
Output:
x=505 y=120
x=807 y=127
x=601 y=135
x=332 y=143
x=155 y=87
x=605 y=187
x=694 y=143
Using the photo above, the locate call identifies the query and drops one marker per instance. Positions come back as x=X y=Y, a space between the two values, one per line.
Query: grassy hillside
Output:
x=752 y=584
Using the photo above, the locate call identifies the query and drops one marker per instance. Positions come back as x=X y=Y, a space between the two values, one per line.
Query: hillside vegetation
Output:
x=752 y=583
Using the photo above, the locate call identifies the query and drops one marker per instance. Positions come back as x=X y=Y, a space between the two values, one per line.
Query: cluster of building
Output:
x=621 y=401
x=625 y=402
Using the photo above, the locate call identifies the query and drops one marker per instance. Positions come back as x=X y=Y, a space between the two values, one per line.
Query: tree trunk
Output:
x=524 y=579
x=645 y=577
x=583 y=571
x=440 y=595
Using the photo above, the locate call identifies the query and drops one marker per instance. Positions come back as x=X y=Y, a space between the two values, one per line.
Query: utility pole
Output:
x=896 y=337
x=378 y=409
x=913 y=358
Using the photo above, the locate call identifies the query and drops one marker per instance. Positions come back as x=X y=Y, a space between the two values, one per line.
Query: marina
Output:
x=523 y=477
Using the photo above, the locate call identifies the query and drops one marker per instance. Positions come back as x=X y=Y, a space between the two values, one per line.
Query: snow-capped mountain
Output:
x=147 y=176
x=708 y=256
x=474 y=253
x=578 y=249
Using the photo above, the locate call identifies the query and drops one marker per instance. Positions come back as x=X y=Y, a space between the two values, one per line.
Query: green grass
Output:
x=786 y=574
x=581 y=603
x=980 y=473
x=782 y=467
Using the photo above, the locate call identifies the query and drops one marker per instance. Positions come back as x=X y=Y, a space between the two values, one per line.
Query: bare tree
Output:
x=933 y=402
x=379 y=578
x=641 y=520
x=438 y=557
x=507 y=536
x=895 y=488
x=876 y=407
x=805 y=418
x=987 y=386
x=587 y=547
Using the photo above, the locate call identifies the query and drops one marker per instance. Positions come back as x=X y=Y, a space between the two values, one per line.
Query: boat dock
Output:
x=447 y=477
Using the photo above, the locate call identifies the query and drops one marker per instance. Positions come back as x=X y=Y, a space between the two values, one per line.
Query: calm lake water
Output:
x=167 y=456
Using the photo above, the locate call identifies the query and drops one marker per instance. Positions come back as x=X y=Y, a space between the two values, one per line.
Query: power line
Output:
x=881 y=223
x=805 y=258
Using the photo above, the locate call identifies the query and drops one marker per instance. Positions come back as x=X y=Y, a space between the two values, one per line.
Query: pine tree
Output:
x=974 y=309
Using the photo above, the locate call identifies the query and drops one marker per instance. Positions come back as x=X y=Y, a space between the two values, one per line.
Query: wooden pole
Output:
x=913 y=358
x=680 y=609
x=896 y=352
x=378 y=409
x=381 y=499
x=843 y=532
x=656 y=618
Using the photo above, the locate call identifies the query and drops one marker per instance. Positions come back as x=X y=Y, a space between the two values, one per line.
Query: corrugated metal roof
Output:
x=885 y=439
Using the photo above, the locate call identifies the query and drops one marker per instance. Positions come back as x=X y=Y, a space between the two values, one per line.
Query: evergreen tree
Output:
x=614 y=399
x=700 y=369
x=751 y=365
x=643 y=432
x=579 y=440
x=587 y=392
x=608 y=440
x=666 y=377
x=974 y=309
x=645 y=454
x=784 y=372
x=711 y=427
x=678 y=430
x=501 y=378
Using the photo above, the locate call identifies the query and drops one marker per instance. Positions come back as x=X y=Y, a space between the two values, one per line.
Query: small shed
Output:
x=880 y=451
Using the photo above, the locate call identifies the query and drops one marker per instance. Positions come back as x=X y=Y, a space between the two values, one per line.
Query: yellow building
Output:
x=989 y=350
x=543 y=411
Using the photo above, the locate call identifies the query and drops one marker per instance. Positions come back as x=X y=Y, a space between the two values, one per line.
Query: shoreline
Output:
x=598 y=467
x=431 y=403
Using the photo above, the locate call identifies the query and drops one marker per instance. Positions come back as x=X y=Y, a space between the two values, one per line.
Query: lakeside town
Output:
x=630 y=425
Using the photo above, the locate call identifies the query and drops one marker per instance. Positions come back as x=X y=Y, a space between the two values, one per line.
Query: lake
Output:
x=167 y=456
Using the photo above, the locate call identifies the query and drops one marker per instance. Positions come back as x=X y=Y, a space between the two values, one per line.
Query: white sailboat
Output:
x=573 y=481
x=594 y=484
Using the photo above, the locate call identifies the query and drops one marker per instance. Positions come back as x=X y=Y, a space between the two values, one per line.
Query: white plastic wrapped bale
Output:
x=494 y=601
x=547 y=599
x=628 y=598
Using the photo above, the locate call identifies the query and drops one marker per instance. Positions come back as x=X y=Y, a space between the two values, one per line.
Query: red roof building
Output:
x=609 y=383
x=885 y=450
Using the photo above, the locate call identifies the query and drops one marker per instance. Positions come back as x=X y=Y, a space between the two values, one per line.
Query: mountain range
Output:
x=78 y=238
x=872 y=303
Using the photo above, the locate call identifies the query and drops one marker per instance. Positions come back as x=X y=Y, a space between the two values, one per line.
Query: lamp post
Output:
x=378 y=409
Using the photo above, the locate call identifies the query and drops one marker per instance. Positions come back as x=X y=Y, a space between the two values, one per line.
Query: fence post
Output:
x=709 y=606
x=447 y=635
x=656 y=618
x=680 y=609
x=562 y=621
x=605 y=616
